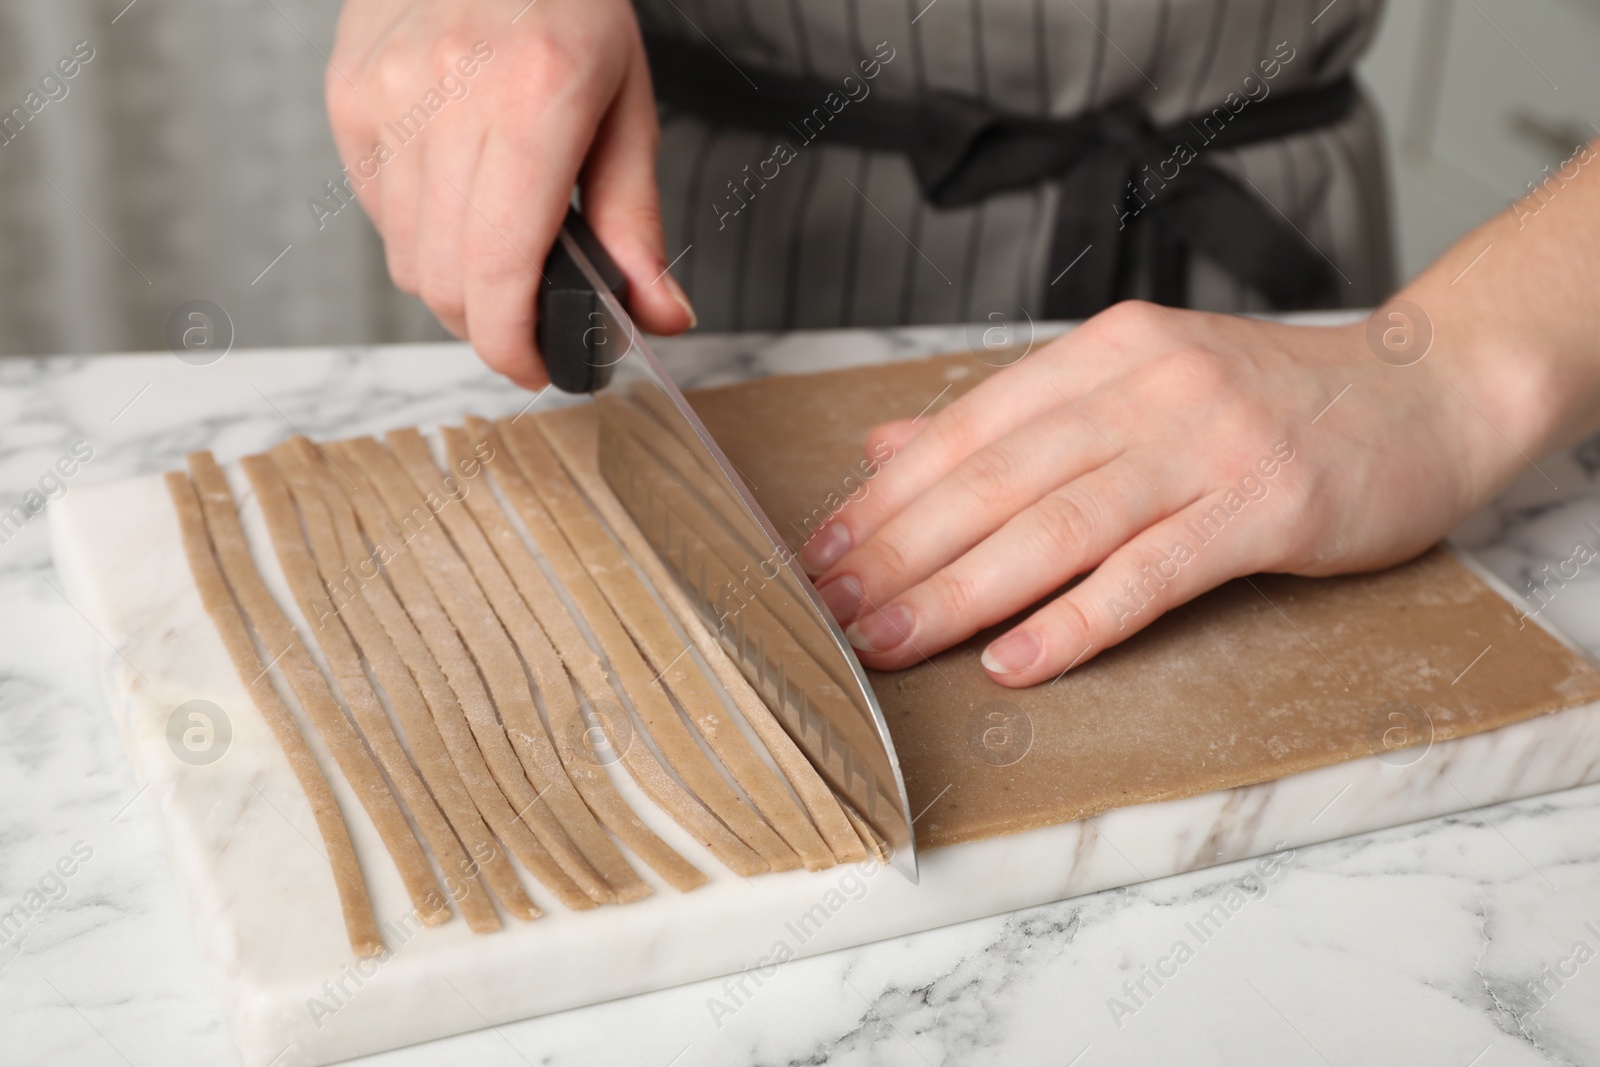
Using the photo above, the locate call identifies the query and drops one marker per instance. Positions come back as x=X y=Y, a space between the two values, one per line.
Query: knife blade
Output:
x=720 y=547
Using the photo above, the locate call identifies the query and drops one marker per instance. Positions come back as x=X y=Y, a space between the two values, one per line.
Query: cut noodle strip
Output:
x=416 y=656
x=566 y=721
x=574 y=440
x=869 y=837
x=652 y=630
x=449 y=605
x=619 y=603
x=631 y=673
x=310 y=688
x=338 y=630
x=484 y=580
x=360 y=924
x=305 y=584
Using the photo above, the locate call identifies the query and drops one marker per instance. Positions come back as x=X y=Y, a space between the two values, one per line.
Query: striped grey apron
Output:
x=791 y=212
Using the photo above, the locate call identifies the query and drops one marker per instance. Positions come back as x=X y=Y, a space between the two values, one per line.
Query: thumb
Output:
x=623 y=205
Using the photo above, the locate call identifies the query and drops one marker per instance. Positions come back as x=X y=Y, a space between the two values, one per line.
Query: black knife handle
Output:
x=577 y=338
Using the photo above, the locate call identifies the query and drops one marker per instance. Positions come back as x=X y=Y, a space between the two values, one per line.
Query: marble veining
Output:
x=1470 y=938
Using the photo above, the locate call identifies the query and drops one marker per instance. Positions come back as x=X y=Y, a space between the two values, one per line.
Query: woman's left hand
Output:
x=1161 y=452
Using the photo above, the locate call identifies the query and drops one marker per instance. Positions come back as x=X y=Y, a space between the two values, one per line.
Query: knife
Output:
x=719 y=546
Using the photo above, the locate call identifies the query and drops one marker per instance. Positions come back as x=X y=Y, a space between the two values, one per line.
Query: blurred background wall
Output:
x=1479 y=96
x=177 y=166
x=177 y=162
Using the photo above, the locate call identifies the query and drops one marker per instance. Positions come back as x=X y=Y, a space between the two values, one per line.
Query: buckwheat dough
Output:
x=397 y=649
x=1221 y=693
x=630 y=601
x=527 y=731
x=571 y=434
x=654 y=633
x=305 y=583
x=347 y=629
x=360 y=923
x=439 y=633
x=633 y=677
x=537 y=794
x=686 y=488
x=587 y=670
x=874 y=843
x=567 y=725
x=772 y=636
x=310 y=688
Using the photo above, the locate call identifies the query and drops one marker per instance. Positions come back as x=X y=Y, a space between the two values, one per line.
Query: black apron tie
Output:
x=1126 y=193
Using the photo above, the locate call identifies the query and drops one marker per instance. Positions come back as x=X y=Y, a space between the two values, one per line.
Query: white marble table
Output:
x=1413 y=945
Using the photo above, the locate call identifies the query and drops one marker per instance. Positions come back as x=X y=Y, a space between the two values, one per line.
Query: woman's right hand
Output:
x=465 y=125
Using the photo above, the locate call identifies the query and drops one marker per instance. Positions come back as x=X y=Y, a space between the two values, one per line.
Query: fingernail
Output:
x=843 y=597
x=826 y=547
x=881 y=630
x=682 y=298
x=1012 y=653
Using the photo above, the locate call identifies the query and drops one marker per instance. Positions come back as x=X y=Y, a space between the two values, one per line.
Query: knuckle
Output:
x=1132 y=317
x=889 y=560
x=626 y=222
x=643 y=216
x=489 y=262
x=393 y=74
x=883 y=435
x=1306 y=514
x=503 y=357
x=447 y=49
x=402 y=269
x=346 y=108
x=1142 y=561
x=1070 y=627
x=1064 y=525
x=958 y=598
x=956 y=431
x=1196 y=375
x=644 y=212
x=553 y=65
x=989 y=477
x=443 y=296
x=1305 y=498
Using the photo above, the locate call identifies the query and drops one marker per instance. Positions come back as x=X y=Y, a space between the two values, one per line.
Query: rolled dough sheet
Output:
x=1243 y=685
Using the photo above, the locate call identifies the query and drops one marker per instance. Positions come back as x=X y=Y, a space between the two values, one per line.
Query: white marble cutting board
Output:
x=240 y=839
